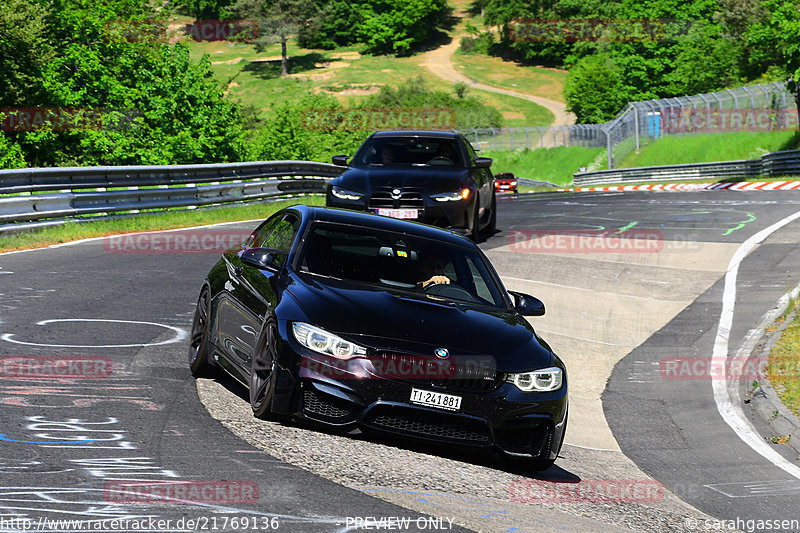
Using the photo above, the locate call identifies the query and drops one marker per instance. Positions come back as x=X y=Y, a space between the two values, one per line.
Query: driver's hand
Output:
x=436 y=280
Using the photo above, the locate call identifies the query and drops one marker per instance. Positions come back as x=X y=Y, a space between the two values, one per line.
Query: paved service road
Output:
x=612 y=312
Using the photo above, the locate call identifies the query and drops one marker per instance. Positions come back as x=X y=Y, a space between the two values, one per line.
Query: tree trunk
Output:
x=797 y=100
x=284 y=59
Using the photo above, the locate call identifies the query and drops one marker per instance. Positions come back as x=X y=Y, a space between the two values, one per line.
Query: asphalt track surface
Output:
x=65 y=443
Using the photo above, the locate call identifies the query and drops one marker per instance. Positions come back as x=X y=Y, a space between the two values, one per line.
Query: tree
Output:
x=392 y=27
x=277 y=20
x=384 y=26
x=777 y=41
x=594 y=90
x=24 y=50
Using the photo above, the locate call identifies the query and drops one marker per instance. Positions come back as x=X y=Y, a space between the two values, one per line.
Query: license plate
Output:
x=436 y=399
x=399 y=213
x=505 y=186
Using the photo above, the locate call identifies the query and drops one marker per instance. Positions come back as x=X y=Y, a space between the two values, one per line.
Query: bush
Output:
x=11 y=155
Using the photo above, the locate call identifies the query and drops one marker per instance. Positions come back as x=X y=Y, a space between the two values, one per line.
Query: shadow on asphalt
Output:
x=488 y=459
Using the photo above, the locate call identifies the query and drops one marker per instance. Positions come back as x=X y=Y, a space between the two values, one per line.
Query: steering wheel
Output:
x=441 y=160
x=450 y=290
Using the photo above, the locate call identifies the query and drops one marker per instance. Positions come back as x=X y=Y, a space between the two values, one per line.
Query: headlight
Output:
x=544 y=380
x=513 y=183
x=321 y=341
x=463 y=194
x=344 y=194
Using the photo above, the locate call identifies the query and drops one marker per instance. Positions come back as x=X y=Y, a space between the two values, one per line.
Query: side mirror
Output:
x=261 y=258
x=527 y=305
x=483 y=162
x=340 y=160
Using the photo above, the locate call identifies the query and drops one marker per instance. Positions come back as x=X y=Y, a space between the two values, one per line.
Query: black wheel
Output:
x=262 y=371
x=475 y=228
x=198 y=340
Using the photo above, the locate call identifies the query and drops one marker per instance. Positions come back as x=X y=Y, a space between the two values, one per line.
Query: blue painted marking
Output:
x=6 y=439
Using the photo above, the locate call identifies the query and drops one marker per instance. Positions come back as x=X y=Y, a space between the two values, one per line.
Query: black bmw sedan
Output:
x=359 y=321
x=427 y=176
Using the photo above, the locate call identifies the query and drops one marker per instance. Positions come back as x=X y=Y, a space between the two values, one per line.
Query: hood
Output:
x=393 y=320
x=434 y=179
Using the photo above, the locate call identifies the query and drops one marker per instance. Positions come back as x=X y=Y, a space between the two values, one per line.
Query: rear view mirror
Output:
x=483 y=162
x=261 y=258
x=340 y=160
x=527 y=305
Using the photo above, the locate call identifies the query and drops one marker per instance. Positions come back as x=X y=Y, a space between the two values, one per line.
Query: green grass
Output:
x=254 y=78
x=152 y=221
x=514 y=76
x=708 y=148
x=556 y=165
x=784 y=366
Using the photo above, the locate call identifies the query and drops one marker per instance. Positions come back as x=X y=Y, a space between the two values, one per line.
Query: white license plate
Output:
x=399 y=213
x=436 y=399
x=505 y=186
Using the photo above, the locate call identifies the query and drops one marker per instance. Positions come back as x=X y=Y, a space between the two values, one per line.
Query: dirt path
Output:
x=438 y=62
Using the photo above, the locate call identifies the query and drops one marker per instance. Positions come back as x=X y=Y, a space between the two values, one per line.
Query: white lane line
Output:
x=180 y=334
x=731 y=411
x=91 y=239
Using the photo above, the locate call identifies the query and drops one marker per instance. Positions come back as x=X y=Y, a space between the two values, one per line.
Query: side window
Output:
x=279 y=235
x=471 y=155
x=263 y=230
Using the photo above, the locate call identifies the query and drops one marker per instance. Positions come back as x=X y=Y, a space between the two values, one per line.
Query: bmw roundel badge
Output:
x=441 y=353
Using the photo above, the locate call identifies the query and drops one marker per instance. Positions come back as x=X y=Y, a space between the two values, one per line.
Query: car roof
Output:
x=415 y=133
x=360 y=218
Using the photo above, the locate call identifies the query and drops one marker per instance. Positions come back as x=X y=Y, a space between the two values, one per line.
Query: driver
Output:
x=430 y=270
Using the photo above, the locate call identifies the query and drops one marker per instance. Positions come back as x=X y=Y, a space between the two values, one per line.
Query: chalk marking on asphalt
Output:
x=731 y=411
x=551 y=332
x=180 y=334
x=5 y=438
x=583 y=289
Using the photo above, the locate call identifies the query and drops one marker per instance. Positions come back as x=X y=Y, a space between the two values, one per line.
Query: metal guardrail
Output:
x=776 y=164
x=151 y=187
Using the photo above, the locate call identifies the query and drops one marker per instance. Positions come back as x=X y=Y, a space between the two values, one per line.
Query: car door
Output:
x=253 y=293
x=483 y=178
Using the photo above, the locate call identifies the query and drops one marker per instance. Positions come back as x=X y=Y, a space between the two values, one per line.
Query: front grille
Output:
x=473 y=377
x=407 y=199
x=461 y=374
x=431 y=425
x=316 y=405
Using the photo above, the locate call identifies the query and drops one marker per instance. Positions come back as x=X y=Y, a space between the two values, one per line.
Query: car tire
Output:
x=475 y=227
x=262 y=371
x=199 y=362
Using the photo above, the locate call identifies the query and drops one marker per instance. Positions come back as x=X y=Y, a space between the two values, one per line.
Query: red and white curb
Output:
x=730 y=186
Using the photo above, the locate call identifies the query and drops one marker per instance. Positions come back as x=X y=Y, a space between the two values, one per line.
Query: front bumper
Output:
x=529 y=425
x=452 y=214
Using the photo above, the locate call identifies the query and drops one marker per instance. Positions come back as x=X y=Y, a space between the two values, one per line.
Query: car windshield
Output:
x=420 y=151
x=397 y=261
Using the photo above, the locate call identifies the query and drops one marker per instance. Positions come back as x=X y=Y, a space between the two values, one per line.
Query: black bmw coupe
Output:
x=360 y=321
x=427 y=176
